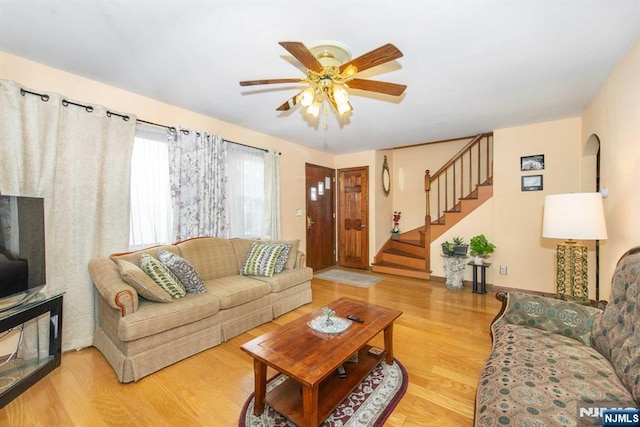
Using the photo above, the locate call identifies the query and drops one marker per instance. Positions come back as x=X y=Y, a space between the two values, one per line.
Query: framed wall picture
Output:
x=531 y=183
x=532 y=163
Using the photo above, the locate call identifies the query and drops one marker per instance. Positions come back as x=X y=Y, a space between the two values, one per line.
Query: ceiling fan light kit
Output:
x=330 y=70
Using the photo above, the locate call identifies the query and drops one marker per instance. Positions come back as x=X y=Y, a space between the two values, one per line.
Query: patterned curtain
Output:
x=78 y=159
x=197 y=178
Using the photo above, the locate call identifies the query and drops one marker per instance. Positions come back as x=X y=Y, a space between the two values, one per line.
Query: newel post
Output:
x=427 y=221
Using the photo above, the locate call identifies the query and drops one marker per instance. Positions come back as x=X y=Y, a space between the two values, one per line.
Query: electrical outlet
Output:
x=503 y=269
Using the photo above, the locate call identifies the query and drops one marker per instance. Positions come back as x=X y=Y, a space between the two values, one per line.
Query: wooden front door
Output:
x=320 y=221
x=353 y=229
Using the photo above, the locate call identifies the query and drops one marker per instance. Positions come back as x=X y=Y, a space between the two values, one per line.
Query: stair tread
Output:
x=400 y=252
x=409 y=242
x=397 y=266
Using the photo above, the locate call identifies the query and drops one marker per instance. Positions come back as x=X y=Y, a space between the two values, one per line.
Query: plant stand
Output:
x=454 y=267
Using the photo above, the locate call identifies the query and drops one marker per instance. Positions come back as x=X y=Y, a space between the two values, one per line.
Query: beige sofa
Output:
x=138 y=336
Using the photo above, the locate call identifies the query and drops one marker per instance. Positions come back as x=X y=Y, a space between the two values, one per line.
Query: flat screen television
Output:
x=22 y=249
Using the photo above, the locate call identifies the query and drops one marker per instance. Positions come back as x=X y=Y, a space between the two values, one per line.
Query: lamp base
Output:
x=572 y=273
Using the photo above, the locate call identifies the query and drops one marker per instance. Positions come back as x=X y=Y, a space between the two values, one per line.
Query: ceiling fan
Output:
x=330 y=70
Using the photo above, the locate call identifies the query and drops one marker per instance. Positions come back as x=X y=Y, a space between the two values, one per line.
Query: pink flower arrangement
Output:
x=396 y=221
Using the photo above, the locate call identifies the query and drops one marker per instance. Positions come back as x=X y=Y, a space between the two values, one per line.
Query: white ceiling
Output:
x=471 y=66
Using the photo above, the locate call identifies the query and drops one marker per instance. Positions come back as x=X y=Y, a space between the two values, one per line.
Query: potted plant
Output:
x=395 y=231
x=457 y=247
x=447 y=248
x=480 y=248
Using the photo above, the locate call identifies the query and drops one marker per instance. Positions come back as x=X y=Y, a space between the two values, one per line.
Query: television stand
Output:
x=18 y=374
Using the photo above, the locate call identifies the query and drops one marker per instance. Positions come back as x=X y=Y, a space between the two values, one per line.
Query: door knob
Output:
x=309 y=222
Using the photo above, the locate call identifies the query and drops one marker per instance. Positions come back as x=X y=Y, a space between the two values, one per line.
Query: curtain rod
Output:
x=65 y=102
x=173 y=129
x=45 y=98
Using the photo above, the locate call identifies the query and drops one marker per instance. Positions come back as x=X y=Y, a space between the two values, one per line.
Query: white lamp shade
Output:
x=574 y=216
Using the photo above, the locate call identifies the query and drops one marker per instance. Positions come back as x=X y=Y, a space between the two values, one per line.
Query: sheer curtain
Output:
x=272 y=194
x=245 y=168
x=151 y=209
x=78 y=160
x=197 y=174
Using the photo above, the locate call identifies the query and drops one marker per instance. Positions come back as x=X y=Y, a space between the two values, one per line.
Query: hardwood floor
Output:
x=442 y=339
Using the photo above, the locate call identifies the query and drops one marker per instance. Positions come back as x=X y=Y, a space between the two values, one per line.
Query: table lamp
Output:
x=575 y=216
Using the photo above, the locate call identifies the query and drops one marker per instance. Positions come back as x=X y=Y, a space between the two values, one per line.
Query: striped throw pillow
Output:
x=161 y=274
x=261 y=259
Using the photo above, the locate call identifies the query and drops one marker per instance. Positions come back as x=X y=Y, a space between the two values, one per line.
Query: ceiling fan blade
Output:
x=302 y=54
x=268 y=82
x=377 y=86
x=378 y=56
x=289 y=103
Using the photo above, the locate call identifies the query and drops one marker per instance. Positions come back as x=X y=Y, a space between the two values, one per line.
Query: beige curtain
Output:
x=79 y=162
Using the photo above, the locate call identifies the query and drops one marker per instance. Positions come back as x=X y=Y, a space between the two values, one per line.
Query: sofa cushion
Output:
x=212 y=257
x=537 y=377
x=184 y=271
x=151 y=318
x=261 y=259
x=287 y=279
x=236 y=290
x=143 y=284
x=616 y=332
x=161 y=274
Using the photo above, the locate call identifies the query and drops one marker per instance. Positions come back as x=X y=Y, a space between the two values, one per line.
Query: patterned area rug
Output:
x=348 y=277
x=370 y=404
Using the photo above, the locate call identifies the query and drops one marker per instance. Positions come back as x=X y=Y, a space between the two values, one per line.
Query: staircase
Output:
x=459 y=187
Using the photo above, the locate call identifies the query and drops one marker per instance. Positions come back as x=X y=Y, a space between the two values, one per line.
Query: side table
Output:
x=25 y=373
x=483 y=277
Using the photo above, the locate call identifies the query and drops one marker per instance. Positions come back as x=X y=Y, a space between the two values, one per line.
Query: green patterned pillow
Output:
x=261 y=259
x=162 y=275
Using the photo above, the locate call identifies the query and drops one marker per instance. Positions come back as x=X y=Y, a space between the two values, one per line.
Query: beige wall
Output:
x=614 y=116
x=407 y=178
x=517 y=215
x=292 y=162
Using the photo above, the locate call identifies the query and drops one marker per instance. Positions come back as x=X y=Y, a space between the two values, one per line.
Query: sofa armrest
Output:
x=115 y=291
x=549 y=314
x=301 y=260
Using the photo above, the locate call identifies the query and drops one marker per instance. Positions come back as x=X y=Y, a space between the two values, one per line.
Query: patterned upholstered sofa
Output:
x=139 y=335
x=550 y=358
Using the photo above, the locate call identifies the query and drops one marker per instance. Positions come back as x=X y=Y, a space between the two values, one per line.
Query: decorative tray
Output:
x=335 y=326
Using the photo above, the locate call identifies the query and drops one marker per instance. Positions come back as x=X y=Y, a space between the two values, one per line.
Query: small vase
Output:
x=394 y=235
x=478 y=260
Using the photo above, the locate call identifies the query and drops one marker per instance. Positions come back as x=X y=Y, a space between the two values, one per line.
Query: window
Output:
x=151 y=207
x=151 y=211
x=246 y=198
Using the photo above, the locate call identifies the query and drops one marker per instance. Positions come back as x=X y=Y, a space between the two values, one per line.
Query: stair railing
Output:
x=459 y=178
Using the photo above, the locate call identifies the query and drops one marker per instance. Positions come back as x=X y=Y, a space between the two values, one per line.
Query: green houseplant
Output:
x=457 y=247
x=480 y=248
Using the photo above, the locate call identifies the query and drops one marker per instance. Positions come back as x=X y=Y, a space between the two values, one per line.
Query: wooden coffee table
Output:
x=310 y=359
